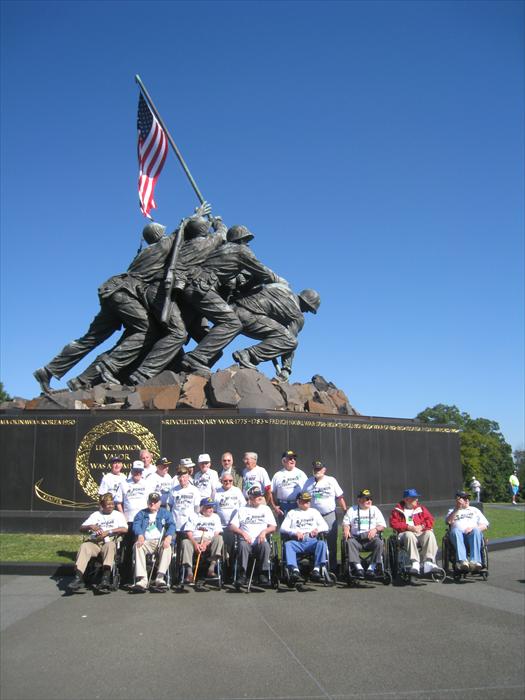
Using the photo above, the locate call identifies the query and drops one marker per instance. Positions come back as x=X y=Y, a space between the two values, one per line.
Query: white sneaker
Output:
x=142 y=583
x=160 y=582
x=429 y=567
x=414 y=568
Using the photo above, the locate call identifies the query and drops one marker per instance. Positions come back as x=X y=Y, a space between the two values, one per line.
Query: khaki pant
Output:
x=214 y=549
x=148 y=547
x=88 y=550
x=426 y=540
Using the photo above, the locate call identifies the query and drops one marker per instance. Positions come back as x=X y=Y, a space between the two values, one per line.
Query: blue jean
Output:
x=307 y=546
x=473 y=539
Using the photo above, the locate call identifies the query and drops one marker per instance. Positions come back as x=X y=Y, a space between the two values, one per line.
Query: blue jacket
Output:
x=164 y=517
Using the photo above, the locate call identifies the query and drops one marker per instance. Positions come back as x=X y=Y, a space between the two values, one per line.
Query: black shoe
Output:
x=295 y=576
x=264 y=580
x=370 y=575
x=77 y=584
x=357 y=573
x=243 y=359
x=105 y=581
x=315 y=576
x=43 y=377
x=242 y=580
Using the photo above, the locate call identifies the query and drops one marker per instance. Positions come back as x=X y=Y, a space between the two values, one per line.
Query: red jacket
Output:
x=421 y=516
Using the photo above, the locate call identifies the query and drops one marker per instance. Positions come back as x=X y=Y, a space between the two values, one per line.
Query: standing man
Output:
x=413 y=522
x=154 y=528
x=475 y=487
x=253 y=524
x=302 y=526
x=466 y=525
x=362 y=524
x=254 y=475
x=287 y=484
x=149 y=466
x=184 y=498
x=514 y=484
x=229 y=499
x=103 y=526
x=110 y=482
x=131 y=497
x=326 y=493
x=161 y=481
x=228 y=468
x=206 y=479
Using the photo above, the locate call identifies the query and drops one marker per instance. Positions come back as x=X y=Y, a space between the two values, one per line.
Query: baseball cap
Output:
x=290 y=453
x=254 y=492
x=117 y=458
x=462 y=494
x=304 y=496
x=138 y=464
x=203 y=458
x=162 y=462
x=186 y=462
x=208 y=502
x=365 y=493
x=317 y=464
x=154 y=497
x=411 y=493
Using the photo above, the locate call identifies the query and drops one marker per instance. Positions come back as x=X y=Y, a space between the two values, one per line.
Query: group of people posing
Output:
x=211 y=509
x=172 y=291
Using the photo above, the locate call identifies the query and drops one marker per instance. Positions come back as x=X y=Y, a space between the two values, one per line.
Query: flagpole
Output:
x=168 y=135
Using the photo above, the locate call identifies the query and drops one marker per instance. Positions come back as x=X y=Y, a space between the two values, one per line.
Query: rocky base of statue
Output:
x=232 y=388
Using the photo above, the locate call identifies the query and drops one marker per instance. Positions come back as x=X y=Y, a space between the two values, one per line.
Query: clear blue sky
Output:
x=375 y=149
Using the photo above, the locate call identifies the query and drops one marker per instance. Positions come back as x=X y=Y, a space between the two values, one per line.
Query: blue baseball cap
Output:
x=411 y=493
x=208 y=502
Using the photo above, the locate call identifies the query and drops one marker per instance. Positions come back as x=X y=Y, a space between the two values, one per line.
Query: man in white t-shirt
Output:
x=111 y=481
x=466 y=526
x=362 y=524
x=254 y=475
x=229 y=499
x=326 y=493
x=301 y=528
x=203 y=532
x=253 y=523
x=287 y=484
x=149 y=466
x=103 y=526
x=131 y=497
x=475 y=486
x=206 y=479
x=184 y=498
x=161 y=481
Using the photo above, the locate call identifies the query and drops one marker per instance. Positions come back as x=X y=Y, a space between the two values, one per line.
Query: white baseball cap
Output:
x=203 y=458
x=138 y=464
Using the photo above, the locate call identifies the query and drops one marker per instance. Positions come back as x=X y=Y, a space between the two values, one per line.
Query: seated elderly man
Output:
x=414 y=524
x=301 y=528
x=466 y=525
x=203 y=536
x=253 y=523
x=154 y=528
x=103 y=527
x=362 y=524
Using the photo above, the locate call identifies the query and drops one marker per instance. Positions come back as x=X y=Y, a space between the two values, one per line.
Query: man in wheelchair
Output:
x=154 y=528
x=103 y=527
x=362 y=524
x=413 y=523
x=467 y=524
x=300 y=530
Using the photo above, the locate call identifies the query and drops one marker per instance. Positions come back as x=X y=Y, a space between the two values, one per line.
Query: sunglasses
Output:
x=227 y=481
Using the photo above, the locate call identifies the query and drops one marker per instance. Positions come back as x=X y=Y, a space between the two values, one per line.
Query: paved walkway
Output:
x=429 y=641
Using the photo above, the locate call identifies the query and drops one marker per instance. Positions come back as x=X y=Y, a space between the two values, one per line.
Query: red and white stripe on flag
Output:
x=152 y=152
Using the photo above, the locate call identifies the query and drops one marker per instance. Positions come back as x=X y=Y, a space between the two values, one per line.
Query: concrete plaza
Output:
x=377 y=643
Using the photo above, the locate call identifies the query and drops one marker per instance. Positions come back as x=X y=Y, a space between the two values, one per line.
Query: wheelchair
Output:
x=305 y=563
x=273 y=566
x=200 y=564
x=383 y=575
x=399 y=564
x=449 y=559
x=152 y=563
x=93 y=572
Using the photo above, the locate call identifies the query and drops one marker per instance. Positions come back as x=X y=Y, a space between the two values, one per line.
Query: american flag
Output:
x=152 y=152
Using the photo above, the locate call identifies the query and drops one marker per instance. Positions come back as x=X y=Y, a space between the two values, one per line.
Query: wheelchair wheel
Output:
x=439 y=576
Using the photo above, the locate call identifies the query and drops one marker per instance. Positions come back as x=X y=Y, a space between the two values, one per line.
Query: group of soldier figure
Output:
x=201 y=273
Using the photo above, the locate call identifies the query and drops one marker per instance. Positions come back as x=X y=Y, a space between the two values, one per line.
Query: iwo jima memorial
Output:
x=198 y=287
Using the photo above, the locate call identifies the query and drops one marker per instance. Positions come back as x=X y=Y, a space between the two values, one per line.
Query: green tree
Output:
x=484 y=451
x=4 y=396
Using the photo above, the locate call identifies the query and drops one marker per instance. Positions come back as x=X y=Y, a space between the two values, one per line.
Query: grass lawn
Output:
x=63 y=548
